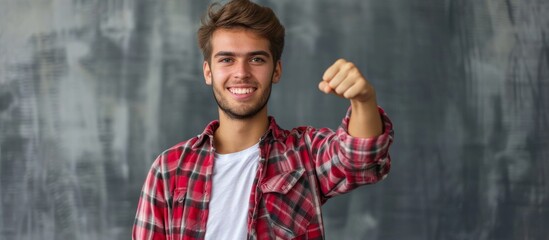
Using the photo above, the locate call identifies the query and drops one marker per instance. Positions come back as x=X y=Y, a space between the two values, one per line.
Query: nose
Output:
x=242 y=70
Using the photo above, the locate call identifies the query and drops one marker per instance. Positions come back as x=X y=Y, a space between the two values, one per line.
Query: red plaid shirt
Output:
x=298 y=171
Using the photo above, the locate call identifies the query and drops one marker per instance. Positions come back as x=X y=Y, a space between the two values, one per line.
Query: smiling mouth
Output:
x=241 y=90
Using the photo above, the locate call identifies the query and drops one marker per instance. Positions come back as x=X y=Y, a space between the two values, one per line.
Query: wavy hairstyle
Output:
x=241 y=14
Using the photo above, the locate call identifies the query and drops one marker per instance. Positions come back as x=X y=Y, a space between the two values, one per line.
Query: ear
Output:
x=277 y=72
x=207 y=72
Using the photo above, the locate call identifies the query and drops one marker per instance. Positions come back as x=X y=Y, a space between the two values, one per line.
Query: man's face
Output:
x=241 y=72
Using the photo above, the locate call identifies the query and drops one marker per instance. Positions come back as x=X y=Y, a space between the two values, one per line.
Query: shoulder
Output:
x=171 y=158
x=191 y=147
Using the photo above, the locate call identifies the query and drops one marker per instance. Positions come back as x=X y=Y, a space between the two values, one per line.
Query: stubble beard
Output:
x=247 y=112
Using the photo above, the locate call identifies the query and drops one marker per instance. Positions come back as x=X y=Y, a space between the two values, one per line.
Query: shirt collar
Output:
x=273 y=132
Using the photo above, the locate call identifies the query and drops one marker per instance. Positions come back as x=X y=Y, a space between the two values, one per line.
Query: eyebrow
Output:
x=233 y=54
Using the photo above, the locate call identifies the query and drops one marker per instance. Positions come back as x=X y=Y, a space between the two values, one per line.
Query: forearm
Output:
x=365 y=121
x=347 y=161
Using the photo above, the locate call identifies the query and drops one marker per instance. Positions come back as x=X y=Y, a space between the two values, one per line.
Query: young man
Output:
x=244 y=177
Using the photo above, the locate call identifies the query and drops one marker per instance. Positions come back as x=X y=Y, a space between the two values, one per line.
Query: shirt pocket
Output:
x=187 y=214
x=288 y=202
x=178 y=209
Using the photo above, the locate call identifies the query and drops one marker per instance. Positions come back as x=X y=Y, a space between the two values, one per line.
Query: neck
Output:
x=235 y=135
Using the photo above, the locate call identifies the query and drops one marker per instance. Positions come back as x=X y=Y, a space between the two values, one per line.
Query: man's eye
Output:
x=225 y=60
x=258 y=60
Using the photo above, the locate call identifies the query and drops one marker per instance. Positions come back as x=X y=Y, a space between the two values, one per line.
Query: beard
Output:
x=242 y=112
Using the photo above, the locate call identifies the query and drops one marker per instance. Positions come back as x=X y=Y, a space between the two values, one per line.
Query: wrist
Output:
x=365 y=120
x=360 y=105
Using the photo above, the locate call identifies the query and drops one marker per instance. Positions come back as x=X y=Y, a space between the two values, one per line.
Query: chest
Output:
x=283 y=201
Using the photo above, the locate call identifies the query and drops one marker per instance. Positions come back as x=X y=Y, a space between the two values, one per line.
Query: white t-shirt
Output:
x=233 y=177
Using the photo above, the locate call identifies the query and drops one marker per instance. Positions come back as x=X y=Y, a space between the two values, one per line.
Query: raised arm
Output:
x=345 y=80
x=358 y=152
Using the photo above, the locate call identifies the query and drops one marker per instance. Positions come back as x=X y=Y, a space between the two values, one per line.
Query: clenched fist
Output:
x=345 y=80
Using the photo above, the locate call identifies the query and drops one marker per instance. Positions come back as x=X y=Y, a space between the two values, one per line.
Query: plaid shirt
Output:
x=298 y=171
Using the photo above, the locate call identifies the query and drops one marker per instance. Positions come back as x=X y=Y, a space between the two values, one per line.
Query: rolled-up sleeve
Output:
x=343 y=162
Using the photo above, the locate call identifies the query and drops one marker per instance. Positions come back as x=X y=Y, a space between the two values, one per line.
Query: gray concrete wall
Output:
x=92 y=91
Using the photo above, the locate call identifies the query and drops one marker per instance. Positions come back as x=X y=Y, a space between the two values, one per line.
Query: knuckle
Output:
x=354 y=70
x=341 y=61
x=348 y=66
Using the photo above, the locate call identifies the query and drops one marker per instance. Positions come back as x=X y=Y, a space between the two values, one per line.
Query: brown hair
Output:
x=241 y=14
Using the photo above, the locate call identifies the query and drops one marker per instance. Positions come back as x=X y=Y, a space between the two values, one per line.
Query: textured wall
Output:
x=91 y=91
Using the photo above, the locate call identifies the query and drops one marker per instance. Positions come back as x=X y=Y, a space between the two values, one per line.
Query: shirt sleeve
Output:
x=152 y=208
x=343 y=162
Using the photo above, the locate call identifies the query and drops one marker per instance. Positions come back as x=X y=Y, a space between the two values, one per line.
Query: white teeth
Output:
x=241 y=90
